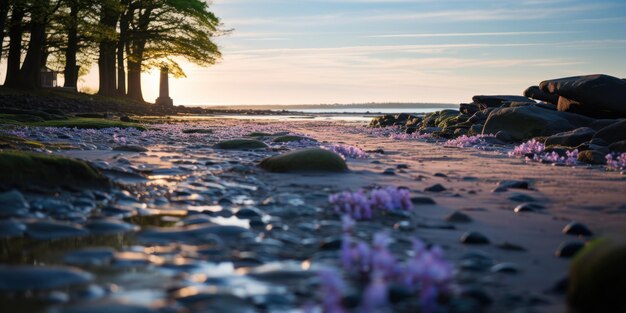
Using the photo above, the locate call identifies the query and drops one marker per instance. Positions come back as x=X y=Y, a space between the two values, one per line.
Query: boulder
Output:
x=597 y=278
x=497 y=101
x=523 y=123
x=594 y=94
x=241 y=144
x=291 y=138
x=469 y=108
x=306 y=160
x=619 y=146
x=612 y=133
x=534 y=92
x=571 y=138
x=592 y=157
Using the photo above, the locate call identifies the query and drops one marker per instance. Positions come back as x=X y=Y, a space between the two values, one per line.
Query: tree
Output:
x=4 y=12
x=109 y=15
x=162 y=31
x=16 y=31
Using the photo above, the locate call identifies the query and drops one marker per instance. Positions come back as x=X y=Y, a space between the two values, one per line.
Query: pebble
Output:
x=402 y=166
x=249 y=213
x=11 y=228
x=436 y=188
x=577 y=229
x=109 y=226
x=506 y=267
x=474 y=238
x=514 y=184
x=520 y=197
x=422 y=201
x=50 y=230
x=440 y=175
x=476 y=261
x=458 y=217
x=107 y=306
x=90 y=256
x=25 y=278
x=510 y=246
x=529 y=207
x=569 y=248
x=389 y=171
x=13 y=203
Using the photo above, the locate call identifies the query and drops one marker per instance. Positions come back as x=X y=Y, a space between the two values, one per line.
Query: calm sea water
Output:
x=371 y=110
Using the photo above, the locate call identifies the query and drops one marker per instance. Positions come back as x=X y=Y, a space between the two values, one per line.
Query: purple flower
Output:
x=375 y=295
x=332 y=287
x=347 y=151
x=475 y=141
x=360 y=205
x=615 y=161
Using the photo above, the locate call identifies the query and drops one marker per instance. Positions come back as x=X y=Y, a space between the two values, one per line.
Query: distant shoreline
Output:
x=360 y=106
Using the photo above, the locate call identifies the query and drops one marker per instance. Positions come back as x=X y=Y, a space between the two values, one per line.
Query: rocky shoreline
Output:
x=311 y=216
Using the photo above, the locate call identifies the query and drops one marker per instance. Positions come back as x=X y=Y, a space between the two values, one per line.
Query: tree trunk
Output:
x=71 y=68
x=15 y=47
x=30 y=73
x=4 y=11
x=122 y=46
x=134 y=72
x=106 y=57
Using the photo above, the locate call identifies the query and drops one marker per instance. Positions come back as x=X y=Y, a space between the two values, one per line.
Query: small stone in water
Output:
x=528 y=207
x=12 y=203
x=11 y=228
x=109 y=226
x=389 y=171
x=458 y=217
x=47 y=230
x=514 y=184
x=508 y=268
x=440 y=175
x=569 y=249
x=25 y=278
x=90 y=256
x=436 y=188
x=577 y=229
x=475 y=238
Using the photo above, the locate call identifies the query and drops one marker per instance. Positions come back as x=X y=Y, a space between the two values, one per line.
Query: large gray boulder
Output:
x=612 y=133
x=571 y=138
x=497 y=101
x=534 y=92
x=526 y=122
x=593 y=95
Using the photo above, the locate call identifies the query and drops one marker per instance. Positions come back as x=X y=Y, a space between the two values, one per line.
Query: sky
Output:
x=443 y=51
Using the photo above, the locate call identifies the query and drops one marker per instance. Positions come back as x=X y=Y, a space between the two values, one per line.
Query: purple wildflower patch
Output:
x=616 y=161
x=347 y=151
x=361 y=205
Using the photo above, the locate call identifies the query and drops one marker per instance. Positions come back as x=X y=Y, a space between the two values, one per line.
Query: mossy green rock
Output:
x=241 y=144
x=290 y=138
x=14 y=142
x=258 y=134
x=597 y=277
x=307 y=160
x=25 y=169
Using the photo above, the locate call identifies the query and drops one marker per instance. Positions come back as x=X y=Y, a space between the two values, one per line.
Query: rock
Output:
x=597 y=277
x=38 y=278
x=241 y=144
x=507 y=268
x=527 y=122
x=107 y=306
x=193 y=234
x=130 y=148
x=389 y=171
x=571 y=106
x=249 y=213
x=474 y=238
x=306 y=160
x=109 y=226
x=612 y=133
x=571 y=138
x=436 y=188
x=528 y=207
x=497 y=101
x=25 y=169
x=514 y=184
x=50 y=230
x=510 y=247
x=12 y=203
x=592 y=157
x=197 y=131
x=476 y=261
x=504 y=136
x=534 y=92
x=569 y=248
x=458 y=217
x=520 y=197
x=422 y=201
x=291 y=138
x=577 y=229
x=619 y=146
x=470 y=108
x=595 y=93
x=11 y=229
x=90 y=257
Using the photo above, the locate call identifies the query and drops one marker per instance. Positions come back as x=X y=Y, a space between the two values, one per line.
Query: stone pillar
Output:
x=164 y=89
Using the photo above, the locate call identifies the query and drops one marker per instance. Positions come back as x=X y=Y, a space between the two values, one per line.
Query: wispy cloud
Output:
x=482 y=34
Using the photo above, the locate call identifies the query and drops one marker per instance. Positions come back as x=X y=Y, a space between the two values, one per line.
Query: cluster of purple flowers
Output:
x=347 y=151
x=530 y=147
x=425 y=273
x=476 y=141
x=615 y=161
x=405 y=136
x=361 y=205
x=534 y=150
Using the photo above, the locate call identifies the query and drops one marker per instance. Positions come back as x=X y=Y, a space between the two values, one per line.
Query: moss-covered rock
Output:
x=592 y=157
x=258 y=134
x=14 y=142
x=241 y=144
x=87 y=123
x=197 y=131
x=290 y=138
x=25 y=169
x=597 y=277
x=306 y=160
